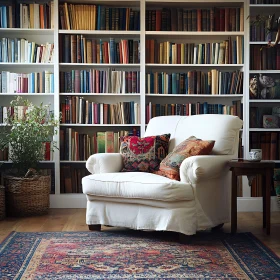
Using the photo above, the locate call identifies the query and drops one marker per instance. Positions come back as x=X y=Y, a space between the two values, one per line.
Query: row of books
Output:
x=6 y=112
x=97 y=17
x=17 y=112
x=188 y=109
x=75 y=146
x=47 y=153
x=79 y=49
x=33 y=15
x=257 y=116
x=259 y=33
x=78 y=110
x=71 y=178
x=269 y=142
x=195 y=82
x=264 y=58
x=227 y=52
x=22 y=51
x=100 y=81
x=264 y=1
x=35 y=82
x=214 y=19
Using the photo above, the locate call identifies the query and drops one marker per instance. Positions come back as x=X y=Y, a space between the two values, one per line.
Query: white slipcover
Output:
x=137 y=200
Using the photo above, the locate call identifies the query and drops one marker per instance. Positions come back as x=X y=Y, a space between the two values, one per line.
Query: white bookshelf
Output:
x=261 y=9
x=53 y=36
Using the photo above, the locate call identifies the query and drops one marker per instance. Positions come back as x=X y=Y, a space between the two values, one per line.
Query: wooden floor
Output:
x=74 y=220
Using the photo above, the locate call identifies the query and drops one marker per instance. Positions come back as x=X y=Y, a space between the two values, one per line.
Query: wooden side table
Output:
x=250 y=168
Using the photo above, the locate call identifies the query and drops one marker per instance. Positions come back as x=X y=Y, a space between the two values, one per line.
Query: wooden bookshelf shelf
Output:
x=27 y=94
x=264 y=6
x=98 y=125
x=194 y=65
x=193 y=33
x=264 y=129
x=199 y=3
x=73 y=161
x=196 y=95
x=264 y=100
x=99 y=65
x=101 y=94
x=27 y=31
x=258 y=42
x=111 y=33
x=10 y=64
x=264 y=71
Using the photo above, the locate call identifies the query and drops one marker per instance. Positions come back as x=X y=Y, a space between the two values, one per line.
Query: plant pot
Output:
x=27 y=196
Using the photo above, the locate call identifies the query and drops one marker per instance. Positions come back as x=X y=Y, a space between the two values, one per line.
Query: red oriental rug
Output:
x=134 y=255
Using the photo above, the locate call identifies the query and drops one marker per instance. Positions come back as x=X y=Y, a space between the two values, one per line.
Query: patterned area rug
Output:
x=134 y=255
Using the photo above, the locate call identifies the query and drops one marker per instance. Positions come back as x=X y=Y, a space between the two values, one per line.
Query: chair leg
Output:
x=218 y=227
x=94 y=227
x=185 y=239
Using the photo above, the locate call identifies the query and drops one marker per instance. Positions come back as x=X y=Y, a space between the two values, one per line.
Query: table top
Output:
x=243 y=163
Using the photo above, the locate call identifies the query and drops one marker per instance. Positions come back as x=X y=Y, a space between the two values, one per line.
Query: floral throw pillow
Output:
x=143 y=154
x=170 y=166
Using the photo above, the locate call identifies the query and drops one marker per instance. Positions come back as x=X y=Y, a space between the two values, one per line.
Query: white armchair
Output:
x=140 y=200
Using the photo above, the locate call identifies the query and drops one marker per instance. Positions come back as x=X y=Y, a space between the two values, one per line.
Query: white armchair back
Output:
x=224 y=129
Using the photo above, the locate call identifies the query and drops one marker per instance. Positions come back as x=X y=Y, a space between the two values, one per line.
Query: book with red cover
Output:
x=47 y=151
x=158 y=20
x=199 y=19
x=109 y=142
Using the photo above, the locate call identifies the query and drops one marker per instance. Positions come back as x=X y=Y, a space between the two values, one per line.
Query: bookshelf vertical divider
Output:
x=143 y=65
x=56 y=154
x=246 y=68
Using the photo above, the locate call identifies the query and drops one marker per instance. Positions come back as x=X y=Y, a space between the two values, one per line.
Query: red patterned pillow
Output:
x=170 y=166
x=143 y=154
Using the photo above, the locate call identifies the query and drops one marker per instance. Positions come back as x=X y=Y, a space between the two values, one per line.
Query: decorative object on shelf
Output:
x=276 y=111
x=29 y=128
x=271 y=25
x=255 y=155
x=253 y=87
x=2 y=203
x=266 y=82
x=270 y=121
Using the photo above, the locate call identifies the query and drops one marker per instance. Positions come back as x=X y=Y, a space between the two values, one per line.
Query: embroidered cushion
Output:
x=143 y=154
x=169 y=167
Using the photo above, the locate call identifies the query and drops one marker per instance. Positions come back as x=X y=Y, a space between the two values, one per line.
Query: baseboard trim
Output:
x=68 y=201
x=244 y=204
x=254 y=204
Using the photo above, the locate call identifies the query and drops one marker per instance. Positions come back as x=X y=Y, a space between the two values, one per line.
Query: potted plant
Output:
x=28 y=128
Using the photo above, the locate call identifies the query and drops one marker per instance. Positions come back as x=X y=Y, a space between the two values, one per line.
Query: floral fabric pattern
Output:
x=170 y=166
x=143 y=154
x=134 y=255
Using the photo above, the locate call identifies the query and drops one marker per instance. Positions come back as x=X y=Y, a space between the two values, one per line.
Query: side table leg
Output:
x=233 y=202
x=264 y=199
x=268 y=175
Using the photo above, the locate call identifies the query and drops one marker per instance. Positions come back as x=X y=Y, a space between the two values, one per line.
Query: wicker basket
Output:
x=27 y=196
x=2 y=203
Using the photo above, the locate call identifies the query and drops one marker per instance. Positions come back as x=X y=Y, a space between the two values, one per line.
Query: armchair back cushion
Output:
x=223 y=129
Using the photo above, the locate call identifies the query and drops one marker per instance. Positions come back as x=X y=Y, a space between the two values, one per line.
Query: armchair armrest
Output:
x=199 y=168
x=104 y=163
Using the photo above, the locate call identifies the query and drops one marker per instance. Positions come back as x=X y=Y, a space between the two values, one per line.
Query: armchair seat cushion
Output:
x=137 y=185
